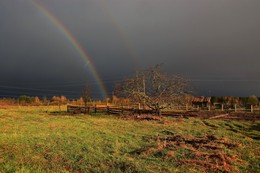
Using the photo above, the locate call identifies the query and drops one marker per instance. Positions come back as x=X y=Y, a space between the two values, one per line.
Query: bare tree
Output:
x=86 y=94
x=153 y=88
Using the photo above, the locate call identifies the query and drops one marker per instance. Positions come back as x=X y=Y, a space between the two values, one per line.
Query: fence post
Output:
x=252 y=109
x=107 y=109
x=222 y=107
x=95 y=108
x=209 y=107
x=139 y=108
x=122 y=109
x=68 y=108
x=235 y=107
x=88 y=109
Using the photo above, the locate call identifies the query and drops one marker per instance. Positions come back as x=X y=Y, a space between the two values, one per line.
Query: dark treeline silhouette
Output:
x=230 y=101
x=25 y=100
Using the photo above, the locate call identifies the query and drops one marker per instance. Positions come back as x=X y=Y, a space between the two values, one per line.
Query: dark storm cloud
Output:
x=214 y=43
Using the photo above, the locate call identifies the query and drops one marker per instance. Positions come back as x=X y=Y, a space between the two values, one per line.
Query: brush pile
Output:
x=210 y=153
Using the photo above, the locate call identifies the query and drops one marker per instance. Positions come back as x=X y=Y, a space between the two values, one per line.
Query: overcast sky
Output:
x=215 y=43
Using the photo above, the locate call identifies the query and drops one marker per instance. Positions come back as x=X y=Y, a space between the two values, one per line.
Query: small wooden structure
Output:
x=201 y=102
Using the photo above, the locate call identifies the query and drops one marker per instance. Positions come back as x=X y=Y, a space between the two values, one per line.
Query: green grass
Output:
x=32 y=140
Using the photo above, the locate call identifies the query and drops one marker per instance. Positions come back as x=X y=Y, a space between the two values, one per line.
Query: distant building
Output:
x=202 y=101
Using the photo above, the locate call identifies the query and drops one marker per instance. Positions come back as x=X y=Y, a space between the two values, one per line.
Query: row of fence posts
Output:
x=209 y=108
x=235 y=108
x=186 y=108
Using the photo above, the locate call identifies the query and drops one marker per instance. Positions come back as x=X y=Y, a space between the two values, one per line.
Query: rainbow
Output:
x=74 y=43
x=121 y=32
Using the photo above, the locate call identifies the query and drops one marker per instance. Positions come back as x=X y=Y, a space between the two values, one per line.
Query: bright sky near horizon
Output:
x=55 y=47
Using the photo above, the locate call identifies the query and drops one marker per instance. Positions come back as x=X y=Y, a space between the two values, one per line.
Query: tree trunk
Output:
x=157 y=110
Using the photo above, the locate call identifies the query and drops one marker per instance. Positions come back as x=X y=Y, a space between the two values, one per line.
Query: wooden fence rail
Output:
x=122 y=110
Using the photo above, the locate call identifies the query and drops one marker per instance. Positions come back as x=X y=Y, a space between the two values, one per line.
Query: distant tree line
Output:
x=25 y=100
x=240 y=101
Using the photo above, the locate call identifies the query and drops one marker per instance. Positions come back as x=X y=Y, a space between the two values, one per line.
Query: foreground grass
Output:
x=32 y=140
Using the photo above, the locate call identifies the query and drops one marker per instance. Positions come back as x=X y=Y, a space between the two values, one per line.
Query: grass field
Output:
x=32 y=140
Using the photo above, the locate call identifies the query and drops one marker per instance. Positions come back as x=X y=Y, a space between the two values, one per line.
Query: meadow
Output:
x=34 y=140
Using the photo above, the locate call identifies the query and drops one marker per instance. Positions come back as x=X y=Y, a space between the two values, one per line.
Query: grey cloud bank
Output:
x=214 y=43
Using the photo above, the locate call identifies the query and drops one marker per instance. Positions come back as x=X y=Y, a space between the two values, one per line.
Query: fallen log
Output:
x=219 y=116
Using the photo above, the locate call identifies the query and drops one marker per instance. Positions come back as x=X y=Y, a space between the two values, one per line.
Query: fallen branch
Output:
x=219 y=116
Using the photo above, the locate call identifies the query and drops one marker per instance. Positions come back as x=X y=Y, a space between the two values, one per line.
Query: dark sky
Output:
x=215 y=43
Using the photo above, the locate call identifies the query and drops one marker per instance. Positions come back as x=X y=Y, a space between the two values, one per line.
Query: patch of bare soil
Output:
x=58 y=113
x=238 y=116
x=208 y=152
x=142 y=117
x=244 y=116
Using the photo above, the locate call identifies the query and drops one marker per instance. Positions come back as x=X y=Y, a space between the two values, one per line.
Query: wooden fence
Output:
x=138 y=110
x=105 y=109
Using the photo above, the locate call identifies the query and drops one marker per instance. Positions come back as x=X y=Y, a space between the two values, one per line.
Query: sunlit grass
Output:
x=34 y=140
